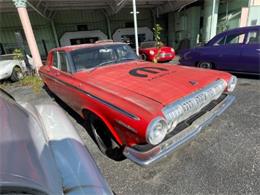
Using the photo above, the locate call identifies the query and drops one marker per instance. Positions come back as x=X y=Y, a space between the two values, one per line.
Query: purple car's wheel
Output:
x=206 y=65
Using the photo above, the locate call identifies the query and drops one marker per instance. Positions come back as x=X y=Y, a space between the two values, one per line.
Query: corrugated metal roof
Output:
x=111 y=6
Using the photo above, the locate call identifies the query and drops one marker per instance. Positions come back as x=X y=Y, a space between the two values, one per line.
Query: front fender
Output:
x=107 y=123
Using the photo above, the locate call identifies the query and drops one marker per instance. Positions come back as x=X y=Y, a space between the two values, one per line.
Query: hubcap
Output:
x=205 y=65
x=19 y=75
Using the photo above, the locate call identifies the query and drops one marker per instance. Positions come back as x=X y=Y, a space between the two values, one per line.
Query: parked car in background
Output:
x=13 y=68
x=236 y=50
x=41 y=152
x=144 y=109
x=148 y=51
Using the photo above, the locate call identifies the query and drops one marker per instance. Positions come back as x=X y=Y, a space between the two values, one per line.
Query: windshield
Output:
x=102 y=55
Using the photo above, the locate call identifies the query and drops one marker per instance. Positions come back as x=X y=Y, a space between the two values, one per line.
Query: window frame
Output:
x=237 y=34
x=67 y=62
x=248 y=32
x=55 y=53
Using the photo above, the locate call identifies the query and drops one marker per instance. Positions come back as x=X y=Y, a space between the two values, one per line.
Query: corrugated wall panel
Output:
x=10 y=23
x=67 y=21
x=144 y=19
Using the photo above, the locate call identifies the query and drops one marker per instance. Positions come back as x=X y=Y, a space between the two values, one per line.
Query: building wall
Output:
x=184 y=25
x=229 y=14
x=145 y=19
x=10 y=23
x=67 y=21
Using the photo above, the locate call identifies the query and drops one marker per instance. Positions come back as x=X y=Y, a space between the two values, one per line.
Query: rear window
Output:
x=253 y=37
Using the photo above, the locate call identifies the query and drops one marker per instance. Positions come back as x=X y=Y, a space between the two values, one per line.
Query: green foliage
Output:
x=34 y=81
x=157 y=35
x=18 y=54
x=31 y=81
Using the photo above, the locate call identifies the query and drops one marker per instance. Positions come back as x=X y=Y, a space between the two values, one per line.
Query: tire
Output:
x=17 y=74
x=144 y=57
x=206 y=65
x=104 y=139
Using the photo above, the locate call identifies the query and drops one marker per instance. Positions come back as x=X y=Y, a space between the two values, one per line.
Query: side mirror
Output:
x=200 y=44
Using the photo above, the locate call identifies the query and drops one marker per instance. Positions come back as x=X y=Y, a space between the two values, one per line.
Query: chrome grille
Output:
x=189 y=105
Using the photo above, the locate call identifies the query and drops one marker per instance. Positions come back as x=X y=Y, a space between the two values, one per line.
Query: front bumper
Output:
x=4 y=76
x=145 y=158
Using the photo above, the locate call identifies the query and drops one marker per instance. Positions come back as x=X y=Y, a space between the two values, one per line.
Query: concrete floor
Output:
x=224 y=158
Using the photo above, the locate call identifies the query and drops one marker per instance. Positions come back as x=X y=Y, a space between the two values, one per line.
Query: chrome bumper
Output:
x=168 y=146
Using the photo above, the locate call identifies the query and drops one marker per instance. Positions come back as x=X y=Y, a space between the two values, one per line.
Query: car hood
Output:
x=162 y=83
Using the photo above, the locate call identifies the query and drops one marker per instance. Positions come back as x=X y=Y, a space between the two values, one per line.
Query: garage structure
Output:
x=63 y=22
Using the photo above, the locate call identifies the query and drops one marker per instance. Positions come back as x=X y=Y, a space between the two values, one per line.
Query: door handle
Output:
x=257 y=49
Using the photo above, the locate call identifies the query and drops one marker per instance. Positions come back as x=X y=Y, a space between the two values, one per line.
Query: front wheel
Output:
x=104 y=139
x=206 y=65
x=144 y=57
x=17 y=74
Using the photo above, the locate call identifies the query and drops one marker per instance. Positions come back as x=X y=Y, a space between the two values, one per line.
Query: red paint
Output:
x=167 y=53
x=143 y=97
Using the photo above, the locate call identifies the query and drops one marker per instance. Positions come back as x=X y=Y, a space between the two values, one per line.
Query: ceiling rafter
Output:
x=48 y=7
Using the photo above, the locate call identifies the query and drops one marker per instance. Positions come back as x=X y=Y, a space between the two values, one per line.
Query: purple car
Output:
x=236 y=50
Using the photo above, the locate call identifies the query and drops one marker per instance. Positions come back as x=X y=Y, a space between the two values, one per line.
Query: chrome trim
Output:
x=167 y=147
x=182 y=109
x=126 y=126
x=132 y=116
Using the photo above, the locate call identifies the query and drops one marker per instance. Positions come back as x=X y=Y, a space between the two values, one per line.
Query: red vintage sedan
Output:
x=149 y=52
x=136 y=108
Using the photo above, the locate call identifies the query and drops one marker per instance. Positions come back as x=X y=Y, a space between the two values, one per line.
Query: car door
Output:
x=69 y=88
x=250 y=55
x=209 y=52
x=64 y=79
x=229 y=54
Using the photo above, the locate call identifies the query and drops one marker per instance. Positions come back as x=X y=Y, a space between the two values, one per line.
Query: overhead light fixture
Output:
x=137 y=12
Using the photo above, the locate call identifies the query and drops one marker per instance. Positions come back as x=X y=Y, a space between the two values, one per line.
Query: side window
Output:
x=64 y=64
x=253 y=37
x=55 y=59
x=235 y=38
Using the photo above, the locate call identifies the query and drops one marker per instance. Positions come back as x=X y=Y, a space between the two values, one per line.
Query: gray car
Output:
x=41 y=152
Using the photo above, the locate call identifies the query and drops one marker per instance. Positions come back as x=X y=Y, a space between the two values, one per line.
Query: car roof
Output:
x=82 y=46
x=246 y=28
x=240 y=29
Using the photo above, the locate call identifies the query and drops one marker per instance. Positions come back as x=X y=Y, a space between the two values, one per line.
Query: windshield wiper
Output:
x=101 y=64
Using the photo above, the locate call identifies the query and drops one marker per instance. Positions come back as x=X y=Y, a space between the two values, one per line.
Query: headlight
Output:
x=156 y=131
x=151 y=52
x=172 y=50
x=232 y=84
